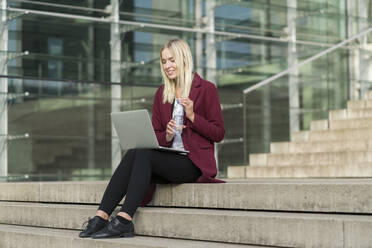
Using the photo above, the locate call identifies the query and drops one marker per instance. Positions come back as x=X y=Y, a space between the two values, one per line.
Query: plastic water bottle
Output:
x=178 y=117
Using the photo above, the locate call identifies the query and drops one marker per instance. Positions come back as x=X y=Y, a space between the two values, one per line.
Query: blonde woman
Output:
x=186 y=115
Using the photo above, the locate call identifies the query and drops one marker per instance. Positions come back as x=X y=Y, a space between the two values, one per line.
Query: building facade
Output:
x=65 y=66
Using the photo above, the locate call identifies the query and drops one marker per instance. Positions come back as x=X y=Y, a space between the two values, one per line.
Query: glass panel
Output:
x=179 y=13
x=63 y=129
x=327 y=83
x=317 y=21
x=266 y=117
x=230 y=151
x=78 y=49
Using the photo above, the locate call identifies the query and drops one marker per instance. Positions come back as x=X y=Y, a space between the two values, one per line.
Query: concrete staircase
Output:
x=338 y=147
x=267 y=212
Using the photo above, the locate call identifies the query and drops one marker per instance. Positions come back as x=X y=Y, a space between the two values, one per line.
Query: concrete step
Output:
x=308 y=195
x=359 y=104
x=318 y=171
x=328 y=135
x=338 y=114
x=236 y=172
x=359 y=113
x=310 y=159
x=320 y=146
x=350 y=123
x=231 y=226
x=31 y=237
x=342 y=114
x=357 y=123
x=317 y=125
x=368 y=95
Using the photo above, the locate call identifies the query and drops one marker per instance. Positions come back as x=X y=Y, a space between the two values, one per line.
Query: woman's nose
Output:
x=168 y=64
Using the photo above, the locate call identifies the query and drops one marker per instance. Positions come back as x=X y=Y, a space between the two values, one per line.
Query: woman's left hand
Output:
x=188 y=105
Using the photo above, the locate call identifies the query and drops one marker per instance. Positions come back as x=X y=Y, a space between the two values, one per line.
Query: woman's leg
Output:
x=115 y=191
x=175 y=168
x=146 y=162
x=117 y=187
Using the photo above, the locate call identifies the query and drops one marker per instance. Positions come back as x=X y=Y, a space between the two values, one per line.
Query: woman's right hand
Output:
x=169 y=135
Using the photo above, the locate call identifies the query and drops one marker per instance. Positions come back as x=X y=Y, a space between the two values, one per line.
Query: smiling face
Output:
x=169 y=64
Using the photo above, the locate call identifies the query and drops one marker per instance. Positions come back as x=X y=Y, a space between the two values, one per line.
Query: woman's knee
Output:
x=131 y=151
x=127 y=160
x=137 y=154
x=144 y=154
x=144 y=151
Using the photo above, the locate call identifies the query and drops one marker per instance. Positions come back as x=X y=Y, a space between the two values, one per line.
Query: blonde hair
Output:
x=181 y=53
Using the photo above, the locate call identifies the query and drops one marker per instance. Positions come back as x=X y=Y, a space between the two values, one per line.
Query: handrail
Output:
x=306 y=61
x=77 y=81
x=167 y=27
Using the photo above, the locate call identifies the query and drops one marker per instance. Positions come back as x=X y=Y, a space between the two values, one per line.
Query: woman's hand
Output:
x=188 y=105
x=171 y=126
x=169 y=134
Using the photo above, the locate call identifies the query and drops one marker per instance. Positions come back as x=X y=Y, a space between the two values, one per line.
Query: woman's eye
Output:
x=172 y=60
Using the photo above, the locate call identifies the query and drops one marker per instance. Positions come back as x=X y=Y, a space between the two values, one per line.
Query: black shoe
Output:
x=94 y=225
x=115 y=229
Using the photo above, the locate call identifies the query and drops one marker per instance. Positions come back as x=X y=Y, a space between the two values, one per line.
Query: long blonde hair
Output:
x=182 y=54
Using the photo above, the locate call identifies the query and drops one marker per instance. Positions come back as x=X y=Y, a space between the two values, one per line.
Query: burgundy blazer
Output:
x=197 y=137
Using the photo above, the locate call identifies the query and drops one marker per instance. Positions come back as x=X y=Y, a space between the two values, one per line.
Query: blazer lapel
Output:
x=168 y=109
x=195 y=84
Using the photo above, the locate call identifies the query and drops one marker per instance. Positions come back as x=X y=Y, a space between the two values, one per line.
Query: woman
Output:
x=200 y=125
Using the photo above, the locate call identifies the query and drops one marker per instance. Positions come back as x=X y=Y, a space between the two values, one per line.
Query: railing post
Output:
x=199 y=38
x=245 y=144
x=211 y=55
x=365 y=60
x=3 y=93
x=355 y=56
x=266 y=96
x=293 y=91
x=115 y=45
x=91 y=154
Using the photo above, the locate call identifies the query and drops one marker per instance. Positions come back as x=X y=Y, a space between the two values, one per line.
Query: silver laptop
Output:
x=134 y=129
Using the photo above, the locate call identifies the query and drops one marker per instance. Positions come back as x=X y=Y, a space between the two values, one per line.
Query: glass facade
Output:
x=65 y=66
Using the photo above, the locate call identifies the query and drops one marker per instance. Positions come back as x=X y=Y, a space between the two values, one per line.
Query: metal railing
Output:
x=138 y=24
x=288 y=71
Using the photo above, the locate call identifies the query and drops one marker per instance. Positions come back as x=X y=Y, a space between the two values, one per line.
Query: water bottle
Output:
x=178 y=117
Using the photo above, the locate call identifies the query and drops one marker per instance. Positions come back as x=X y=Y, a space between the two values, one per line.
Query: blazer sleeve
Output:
x=211 y=125
x=159 y=128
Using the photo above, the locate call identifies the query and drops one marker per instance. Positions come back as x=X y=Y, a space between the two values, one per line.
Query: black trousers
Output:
x=135 y=171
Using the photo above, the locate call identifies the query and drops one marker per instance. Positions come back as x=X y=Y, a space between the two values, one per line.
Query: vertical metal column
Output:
x=3 y=93
x=266 y=93
x=211 y=51
x=115 y=45
x=211 y=42
x=91 y=109
x=365 y=58
x=245 y=136
x=294 y=100
x=353 y=63
x=199 y=38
